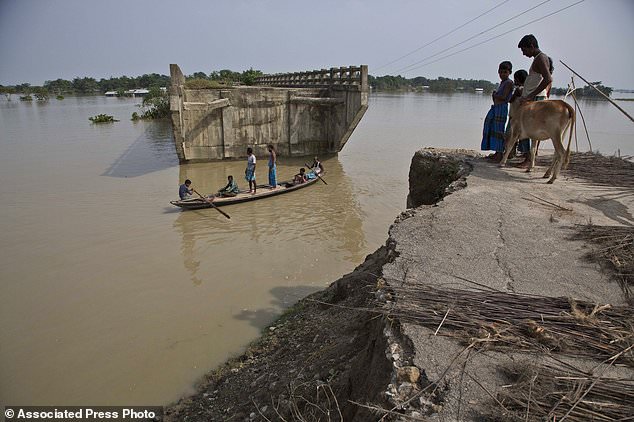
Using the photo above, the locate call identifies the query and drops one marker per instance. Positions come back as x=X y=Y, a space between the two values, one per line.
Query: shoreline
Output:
x=348 y=352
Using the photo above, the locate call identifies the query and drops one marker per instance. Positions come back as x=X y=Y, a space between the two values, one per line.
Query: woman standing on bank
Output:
x=272 y=167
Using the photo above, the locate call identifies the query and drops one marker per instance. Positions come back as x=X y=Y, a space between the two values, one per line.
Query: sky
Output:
x=48 y=39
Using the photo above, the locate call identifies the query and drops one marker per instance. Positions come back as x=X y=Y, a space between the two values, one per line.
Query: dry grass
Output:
x=612 y=248
x=557 y=392
x=497 y=320
x=598 y=169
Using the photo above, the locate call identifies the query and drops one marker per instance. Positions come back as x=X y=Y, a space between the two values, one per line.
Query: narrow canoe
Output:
x=263 y=191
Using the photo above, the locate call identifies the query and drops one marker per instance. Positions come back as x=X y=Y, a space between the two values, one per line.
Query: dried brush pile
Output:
x=598 y=169
x=521 y=322
x=562 y=392
x=613 y=248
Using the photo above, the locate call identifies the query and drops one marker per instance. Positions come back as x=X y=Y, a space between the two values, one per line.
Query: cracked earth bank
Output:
x=346 y=353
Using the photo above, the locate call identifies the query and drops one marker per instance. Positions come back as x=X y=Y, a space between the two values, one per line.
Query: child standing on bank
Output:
x=493 y=132
x=519 y=77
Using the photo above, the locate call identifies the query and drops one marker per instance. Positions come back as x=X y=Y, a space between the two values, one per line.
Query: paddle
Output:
x=212 y=204
x=316 y=173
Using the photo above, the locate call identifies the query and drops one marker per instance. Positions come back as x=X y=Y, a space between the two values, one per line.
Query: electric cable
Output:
x=442 y=36
x=497 y=36
x=406 y=68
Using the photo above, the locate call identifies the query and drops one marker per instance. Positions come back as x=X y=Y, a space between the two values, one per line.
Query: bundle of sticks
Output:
x=557 y=391
x=525 y=322
x=614 y=249
x=599 y=169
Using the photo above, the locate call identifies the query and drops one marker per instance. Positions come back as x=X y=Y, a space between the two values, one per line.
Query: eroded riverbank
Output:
x=352 y=352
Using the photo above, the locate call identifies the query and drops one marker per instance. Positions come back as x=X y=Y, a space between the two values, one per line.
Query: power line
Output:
x=442 y=36
x=406 y=68
x=497 y=36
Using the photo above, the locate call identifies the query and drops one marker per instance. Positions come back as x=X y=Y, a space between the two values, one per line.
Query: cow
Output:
x=541 y=120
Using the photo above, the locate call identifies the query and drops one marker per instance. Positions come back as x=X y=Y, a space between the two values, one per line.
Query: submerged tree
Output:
x=155 y=105
x=590 y=92
x=102 y=118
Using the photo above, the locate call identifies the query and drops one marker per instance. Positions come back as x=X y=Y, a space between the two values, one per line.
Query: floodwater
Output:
x=109 y=295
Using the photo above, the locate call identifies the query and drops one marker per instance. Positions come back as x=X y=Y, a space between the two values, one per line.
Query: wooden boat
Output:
x=263 y=191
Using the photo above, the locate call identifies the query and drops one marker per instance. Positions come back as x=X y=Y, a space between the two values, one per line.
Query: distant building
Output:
x=139 y=92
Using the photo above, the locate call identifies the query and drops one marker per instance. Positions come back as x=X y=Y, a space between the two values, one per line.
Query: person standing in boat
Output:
x=538 y=80
x=249 y=173
x=272 y=166
x=185 y=190
x=231 y=189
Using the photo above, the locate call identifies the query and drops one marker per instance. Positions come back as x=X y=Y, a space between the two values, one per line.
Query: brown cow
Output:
x=541 y=120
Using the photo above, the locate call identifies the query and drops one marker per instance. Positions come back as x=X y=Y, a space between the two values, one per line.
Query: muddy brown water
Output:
x=108 y=295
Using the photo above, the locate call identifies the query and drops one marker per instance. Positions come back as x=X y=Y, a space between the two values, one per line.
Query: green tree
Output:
x=8 y=91
x=85 y=85
x=24 y=88
x=589 y=92
x=41 y=93
x=198 y=75
x=155 y=105
x=248 y=77
x=59 y=86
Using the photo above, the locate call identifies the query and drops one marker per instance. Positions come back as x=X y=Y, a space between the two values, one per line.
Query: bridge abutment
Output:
x=301 y=114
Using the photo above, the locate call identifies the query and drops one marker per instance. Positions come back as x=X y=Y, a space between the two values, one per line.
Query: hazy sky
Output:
x=49 y=39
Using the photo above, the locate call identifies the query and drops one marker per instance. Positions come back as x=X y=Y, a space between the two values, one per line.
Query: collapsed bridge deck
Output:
x=301 y=113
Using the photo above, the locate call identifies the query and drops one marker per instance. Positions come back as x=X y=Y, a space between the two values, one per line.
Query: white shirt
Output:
x=251 y=162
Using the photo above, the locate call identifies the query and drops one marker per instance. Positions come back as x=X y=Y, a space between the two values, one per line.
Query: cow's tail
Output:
x=571 y=126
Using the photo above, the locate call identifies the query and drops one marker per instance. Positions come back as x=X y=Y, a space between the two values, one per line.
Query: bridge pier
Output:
x=305 y=113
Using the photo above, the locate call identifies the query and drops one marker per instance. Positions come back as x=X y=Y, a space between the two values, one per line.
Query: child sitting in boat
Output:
x=300 y=177
x=230 y=190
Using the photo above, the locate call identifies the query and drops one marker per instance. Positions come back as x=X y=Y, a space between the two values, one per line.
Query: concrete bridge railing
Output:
x=324 y=78
x=302 y=113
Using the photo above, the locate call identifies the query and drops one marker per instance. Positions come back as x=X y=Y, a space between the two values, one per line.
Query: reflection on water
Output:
x=285 y=230
x=109 y=295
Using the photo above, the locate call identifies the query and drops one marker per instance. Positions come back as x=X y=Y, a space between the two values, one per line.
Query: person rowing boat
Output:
x=316 y=166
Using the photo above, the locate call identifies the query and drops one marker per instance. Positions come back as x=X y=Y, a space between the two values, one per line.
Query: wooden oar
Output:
x=315 y=173
x=212 y=204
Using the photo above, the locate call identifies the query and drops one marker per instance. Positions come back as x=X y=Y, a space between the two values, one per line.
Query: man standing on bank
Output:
x=249 y=172
x=538 y=79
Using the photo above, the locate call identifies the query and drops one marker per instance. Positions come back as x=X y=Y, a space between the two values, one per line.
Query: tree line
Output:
x=89 y=85
x=587 y=91
x=441 y=84
x=227 y=77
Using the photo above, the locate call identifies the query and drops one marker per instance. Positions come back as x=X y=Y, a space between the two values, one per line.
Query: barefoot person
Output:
x=249 y=172
x=272 y=166
x=536 y=84
x=493 y=131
